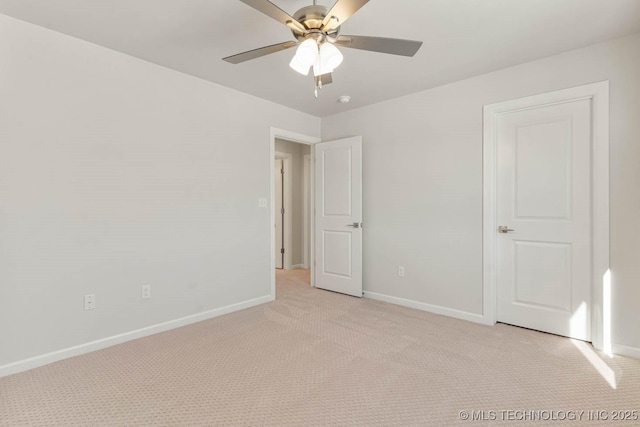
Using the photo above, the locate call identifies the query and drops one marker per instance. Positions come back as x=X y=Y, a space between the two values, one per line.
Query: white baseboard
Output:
x=297 y=267
x=623 y=350
x=45 y=359
x=620 y=350
x=436 y=309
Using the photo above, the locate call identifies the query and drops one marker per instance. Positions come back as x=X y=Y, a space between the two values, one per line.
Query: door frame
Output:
x=306 y=209
x=287 y=224
x=301 y=139
x=598 y=93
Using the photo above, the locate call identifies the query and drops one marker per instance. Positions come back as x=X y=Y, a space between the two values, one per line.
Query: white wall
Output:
x=115 y=173
x=423 y=179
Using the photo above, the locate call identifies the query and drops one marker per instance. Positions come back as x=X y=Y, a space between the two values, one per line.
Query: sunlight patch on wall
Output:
x=606 y=313
x=578 y=322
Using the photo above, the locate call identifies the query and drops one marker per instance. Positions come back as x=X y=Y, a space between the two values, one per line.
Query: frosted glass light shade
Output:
x=319 y=70
x=324 y=59
x=297 y=65
x=307 y=52
x=330 y=57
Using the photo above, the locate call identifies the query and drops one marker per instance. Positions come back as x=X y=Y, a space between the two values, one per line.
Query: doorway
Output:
x=334 y=232
x=291 y=191
x=546 y=240
x=292 y=206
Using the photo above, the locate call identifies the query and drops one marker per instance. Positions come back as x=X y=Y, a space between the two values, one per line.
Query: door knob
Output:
x=354 y=225
x=504 y=229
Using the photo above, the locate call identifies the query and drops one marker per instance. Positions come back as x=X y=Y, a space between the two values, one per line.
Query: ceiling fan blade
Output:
x=326 y=79
x=380 y=44
x=340 y=12
x=257 y=53
x=270 y=9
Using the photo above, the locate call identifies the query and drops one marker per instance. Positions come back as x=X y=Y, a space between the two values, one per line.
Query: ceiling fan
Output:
x=317 y=32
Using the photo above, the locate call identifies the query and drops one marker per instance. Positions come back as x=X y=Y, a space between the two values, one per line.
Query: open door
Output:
x=338 y=219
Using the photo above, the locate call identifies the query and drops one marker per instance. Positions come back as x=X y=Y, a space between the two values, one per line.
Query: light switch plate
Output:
x=262 y=202
x=89 y=302
x=146 y=291
x=400 y=271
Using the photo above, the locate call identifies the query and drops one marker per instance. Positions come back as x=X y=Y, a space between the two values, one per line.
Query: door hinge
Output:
x=282 y=171
x=282 y=211
x=282 y=251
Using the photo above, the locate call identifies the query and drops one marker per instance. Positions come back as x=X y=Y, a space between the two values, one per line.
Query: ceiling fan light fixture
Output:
x=329 y=58
x=298 y=66
x=307 y=52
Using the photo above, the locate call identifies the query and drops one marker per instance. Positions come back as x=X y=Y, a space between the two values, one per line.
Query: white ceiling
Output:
x=462 y=38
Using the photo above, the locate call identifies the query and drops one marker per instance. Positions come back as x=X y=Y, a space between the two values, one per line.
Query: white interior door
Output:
x=544 y=199
x=338 y=220
x=278 y=213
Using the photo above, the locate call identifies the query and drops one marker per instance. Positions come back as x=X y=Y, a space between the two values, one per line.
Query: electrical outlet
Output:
x=400 y=271
x=89 y=302
x=146 y=291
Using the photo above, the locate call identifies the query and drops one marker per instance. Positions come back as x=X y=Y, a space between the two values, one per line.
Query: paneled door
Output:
x=543 y=196
x=338 y=218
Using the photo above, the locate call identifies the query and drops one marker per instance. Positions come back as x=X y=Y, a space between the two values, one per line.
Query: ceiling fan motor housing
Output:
x=311 y=17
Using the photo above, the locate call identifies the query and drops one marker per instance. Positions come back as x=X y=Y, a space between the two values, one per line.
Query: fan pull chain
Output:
x=318 y=78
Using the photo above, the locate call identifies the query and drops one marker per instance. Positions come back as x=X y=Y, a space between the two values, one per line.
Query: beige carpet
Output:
x=318 y=358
